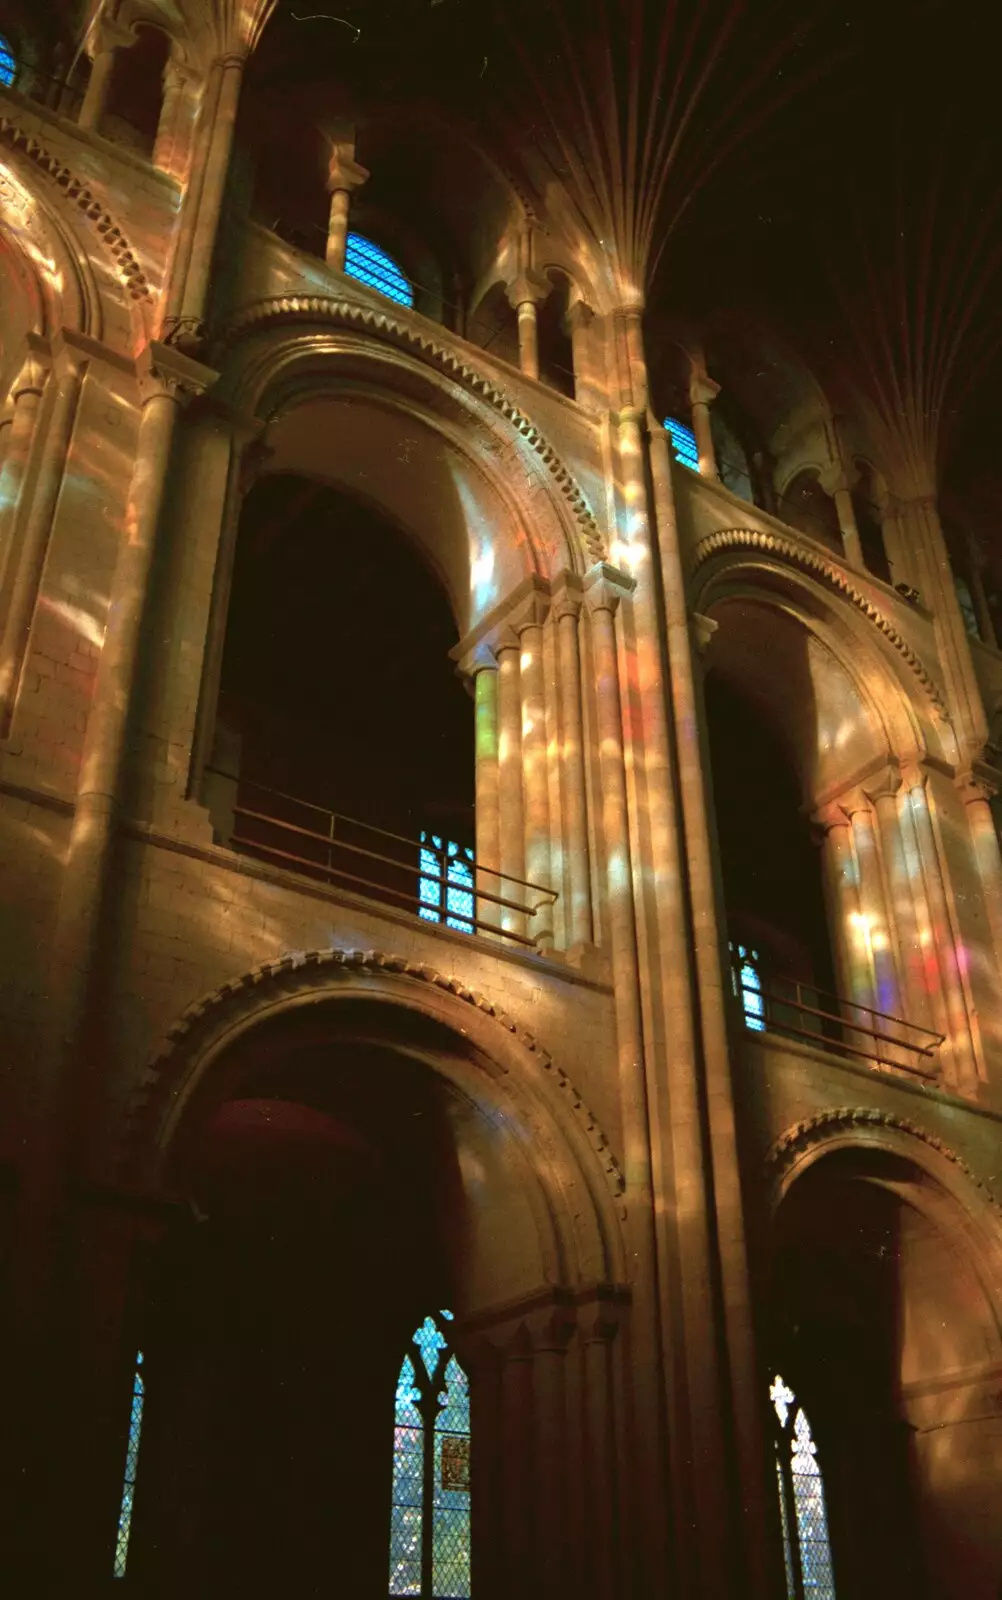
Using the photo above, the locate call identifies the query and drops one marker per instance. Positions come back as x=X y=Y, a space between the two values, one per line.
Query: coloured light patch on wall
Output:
x=683 y=443
x=431 y=1470
x=369 y=264
x=802 y=1500
x=445 y=887
x=131 y=1467
x=8 y=65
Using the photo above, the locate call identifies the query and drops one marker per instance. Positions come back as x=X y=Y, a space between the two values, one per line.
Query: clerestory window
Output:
x=683 y=443
x=8 y=62
x=746 y=966
x=804 y=1517
x=369 y=264
x=131 y=1468
x=446 y=885
x=430 y=1511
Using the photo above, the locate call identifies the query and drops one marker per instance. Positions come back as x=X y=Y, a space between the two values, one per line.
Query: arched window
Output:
x=801 y=1500
x=446 y=884
x=8 y=65
x=131 y=1467
x=366 y=262
x=683 y=443
x=430 y=1513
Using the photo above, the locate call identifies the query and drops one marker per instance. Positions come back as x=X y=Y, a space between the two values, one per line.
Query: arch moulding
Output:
x=757 y=542
x=218 y=1020
x=300 y=311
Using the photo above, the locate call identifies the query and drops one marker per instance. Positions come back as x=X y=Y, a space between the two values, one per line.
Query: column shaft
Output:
x=488 y=820
x=908 y=927
x=12 y=479
x=845 y=511
x=528 y=338
x=98 y=87
x=210 y=199
x=959 y=1037
x=337 y=229
x=985 y=841
x=511 y=825
x=535 y=780
x=578 y=923
x=704 y=439
x=25 y=580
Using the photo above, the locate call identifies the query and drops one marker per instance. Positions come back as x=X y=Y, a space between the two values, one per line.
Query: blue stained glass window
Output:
x=803 y=1514
x=131 y=1465
x=8 y=65
x=431 y=1470
x=445 y=887
x=683 y=443
x=748 y=985
x=366 y=262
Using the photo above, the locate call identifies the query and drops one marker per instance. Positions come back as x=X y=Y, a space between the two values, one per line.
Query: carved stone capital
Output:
x=527 y=287
x=109 y=35
x=480 y=658
x=344 y=173
x=703 y=629
x=568 y=597
x=980 y=784
x=605 y=586
x=702 y=389
x=35 y=367
x=885 y=785
x=837 y=476
x=578 y=316
x=166 y=372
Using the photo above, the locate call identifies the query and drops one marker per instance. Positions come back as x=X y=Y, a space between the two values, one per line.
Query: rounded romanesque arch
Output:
x=554 y=1155
x=517 y=509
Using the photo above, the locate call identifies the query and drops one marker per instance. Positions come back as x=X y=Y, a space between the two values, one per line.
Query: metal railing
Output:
x=800 y=1010
x=436 y=880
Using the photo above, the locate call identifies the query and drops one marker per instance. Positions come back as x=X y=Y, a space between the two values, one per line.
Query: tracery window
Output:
x=131 y=1467
x=8 y=63
x=369 y=264
x=445 y=888
x=806 y=1545
x=683 y=443
x=746 y=965
x=430 y=1511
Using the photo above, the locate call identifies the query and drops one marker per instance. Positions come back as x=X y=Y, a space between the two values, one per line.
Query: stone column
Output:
x=977 y=789
x=566 y=610
x=69 y=366
x=26 y=397
x=511 y=824
x=702 y=393
x=837 y=482
x=108 y=42
x=986 y=622
x=344 y=176
x=229 y=72
x=577 y=324
x=535 y=776
x=6 y=423
x=960 y=1055
x=910 y=932
x=853 y=969
x=176 y=80
x=480 y=665
x=876 y=923
x=525 y=293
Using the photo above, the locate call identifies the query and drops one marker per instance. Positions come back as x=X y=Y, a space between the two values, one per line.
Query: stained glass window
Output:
x=445 y=888
x=366 y=262
x=430 y=1512
x=8 y=65
x=806 y=1546
x=746 y=965
x=131 y=1464
x=683 y=443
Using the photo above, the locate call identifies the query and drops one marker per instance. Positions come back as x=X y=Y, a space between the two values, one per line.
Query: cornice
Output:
x=245 y=995
x=773 y=544
x=130 y=272
x=288 y=309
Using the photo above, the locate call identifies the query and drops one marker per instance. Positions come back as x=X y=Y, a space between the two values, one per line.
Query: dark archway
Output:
x=337 y=692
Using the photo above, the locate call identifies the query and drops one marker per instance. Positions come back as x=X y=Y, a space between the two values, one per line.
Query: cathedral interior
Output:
x=500 y=741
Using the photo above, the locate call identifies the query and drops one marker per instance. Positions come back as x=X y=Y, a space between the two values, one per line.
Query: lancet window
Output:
x=430 y=1512
x=369 y=264
x=8 y=63
x=131 y=1468
x=683 y=443
x=803 y=1513
x=746 y=965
